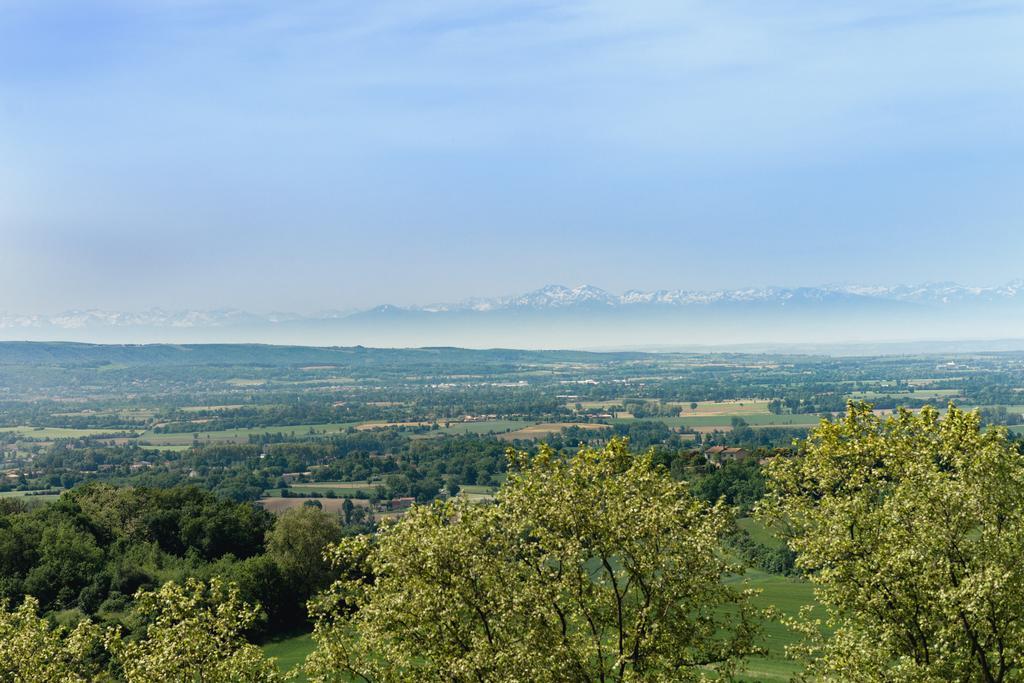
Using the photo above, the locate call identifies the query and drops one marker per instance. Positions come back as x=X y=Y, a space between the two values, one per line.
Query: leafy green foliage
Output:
x=33 y=651
x=598 y=566
x=737 y=483
x=194 y=633
x=912 y=530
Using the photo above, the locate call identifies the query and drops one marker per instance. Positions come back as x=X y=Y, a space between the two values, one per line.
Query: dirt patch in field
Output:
x=279 y=505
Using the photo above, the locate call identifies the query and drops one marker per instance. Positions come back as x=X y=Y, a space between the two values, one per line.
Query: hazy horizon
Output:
x=913 y=316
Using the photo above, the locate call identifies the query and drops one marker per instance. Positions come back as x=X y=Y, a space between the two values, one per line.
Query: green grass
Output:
x=759 y=533
x=341 y=488
x=787 y=595
x=27 y=495
x=177 y=448
x=336 y=485
x=477 y=493
x=1009 y=408
x=801 y=419
x=478 y=488
x=241 y=435
x=57 y=432
x=923 y=394
x=290 y=652
x=725 y=421
x=482 y=427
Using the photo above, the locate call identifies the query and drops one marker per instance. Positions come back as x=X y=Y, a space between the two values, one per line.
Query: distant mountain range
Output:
x=558 y=296
x=583 y=317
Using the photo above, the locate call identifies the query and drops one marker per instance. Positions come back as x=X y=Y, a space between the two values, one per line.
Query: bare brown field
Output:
x=708 y=429
x=279 y=505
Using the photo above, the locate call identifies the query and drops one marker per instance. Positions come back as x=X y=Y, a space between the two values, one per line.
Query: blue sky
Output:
x=327 y=155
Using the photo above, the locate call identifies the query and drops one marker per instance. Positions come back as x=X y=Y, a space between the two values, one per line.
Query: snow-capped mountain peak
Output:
x=549 y=297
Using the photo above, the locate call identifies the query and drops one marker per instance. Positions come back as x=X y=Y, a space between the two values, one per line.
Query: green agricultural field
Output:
x=335 y=485
x=759 y=532
x=343 y=489
x=725 y=422
x=290 y=652
x=1016 y=408
x=922 y=394
x=241 y=435
x=787 y=595
x=594 y=405
x=123 y=413
x=768 y=420
x=30 y=496
x=477 y=493
x=483 y=427
x=176 y=448
x=204 y=409
x=739 y=407
x=49 y=433
x=477 y=488
x=245 y=382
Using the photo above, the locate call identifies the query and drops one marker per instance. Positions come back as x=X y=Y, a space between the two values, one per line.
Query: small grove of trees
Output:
x=912 y=532
x=87 y=554
x=593 y=567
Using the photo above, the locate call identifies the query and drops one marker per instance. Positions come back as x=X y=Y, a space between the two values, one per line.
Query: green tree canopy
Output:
x=32 y=651
x=596 y=567
x=912 y=530
x=195 y=633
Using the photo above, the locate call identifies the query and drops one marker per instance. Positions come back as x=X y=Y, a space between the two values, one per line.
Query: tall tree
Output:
x=912 y=530
x=594 y=567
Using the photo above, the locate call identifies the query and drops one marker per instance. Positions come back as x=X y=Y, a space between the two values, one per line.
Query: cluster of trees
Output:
x=910 y=529
x=597 y=566
x=87 y=554
x=999 y=415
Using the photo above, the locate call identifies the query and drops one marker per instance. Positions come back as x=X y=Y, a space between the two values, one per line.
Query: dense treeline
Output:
x=88 y=553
